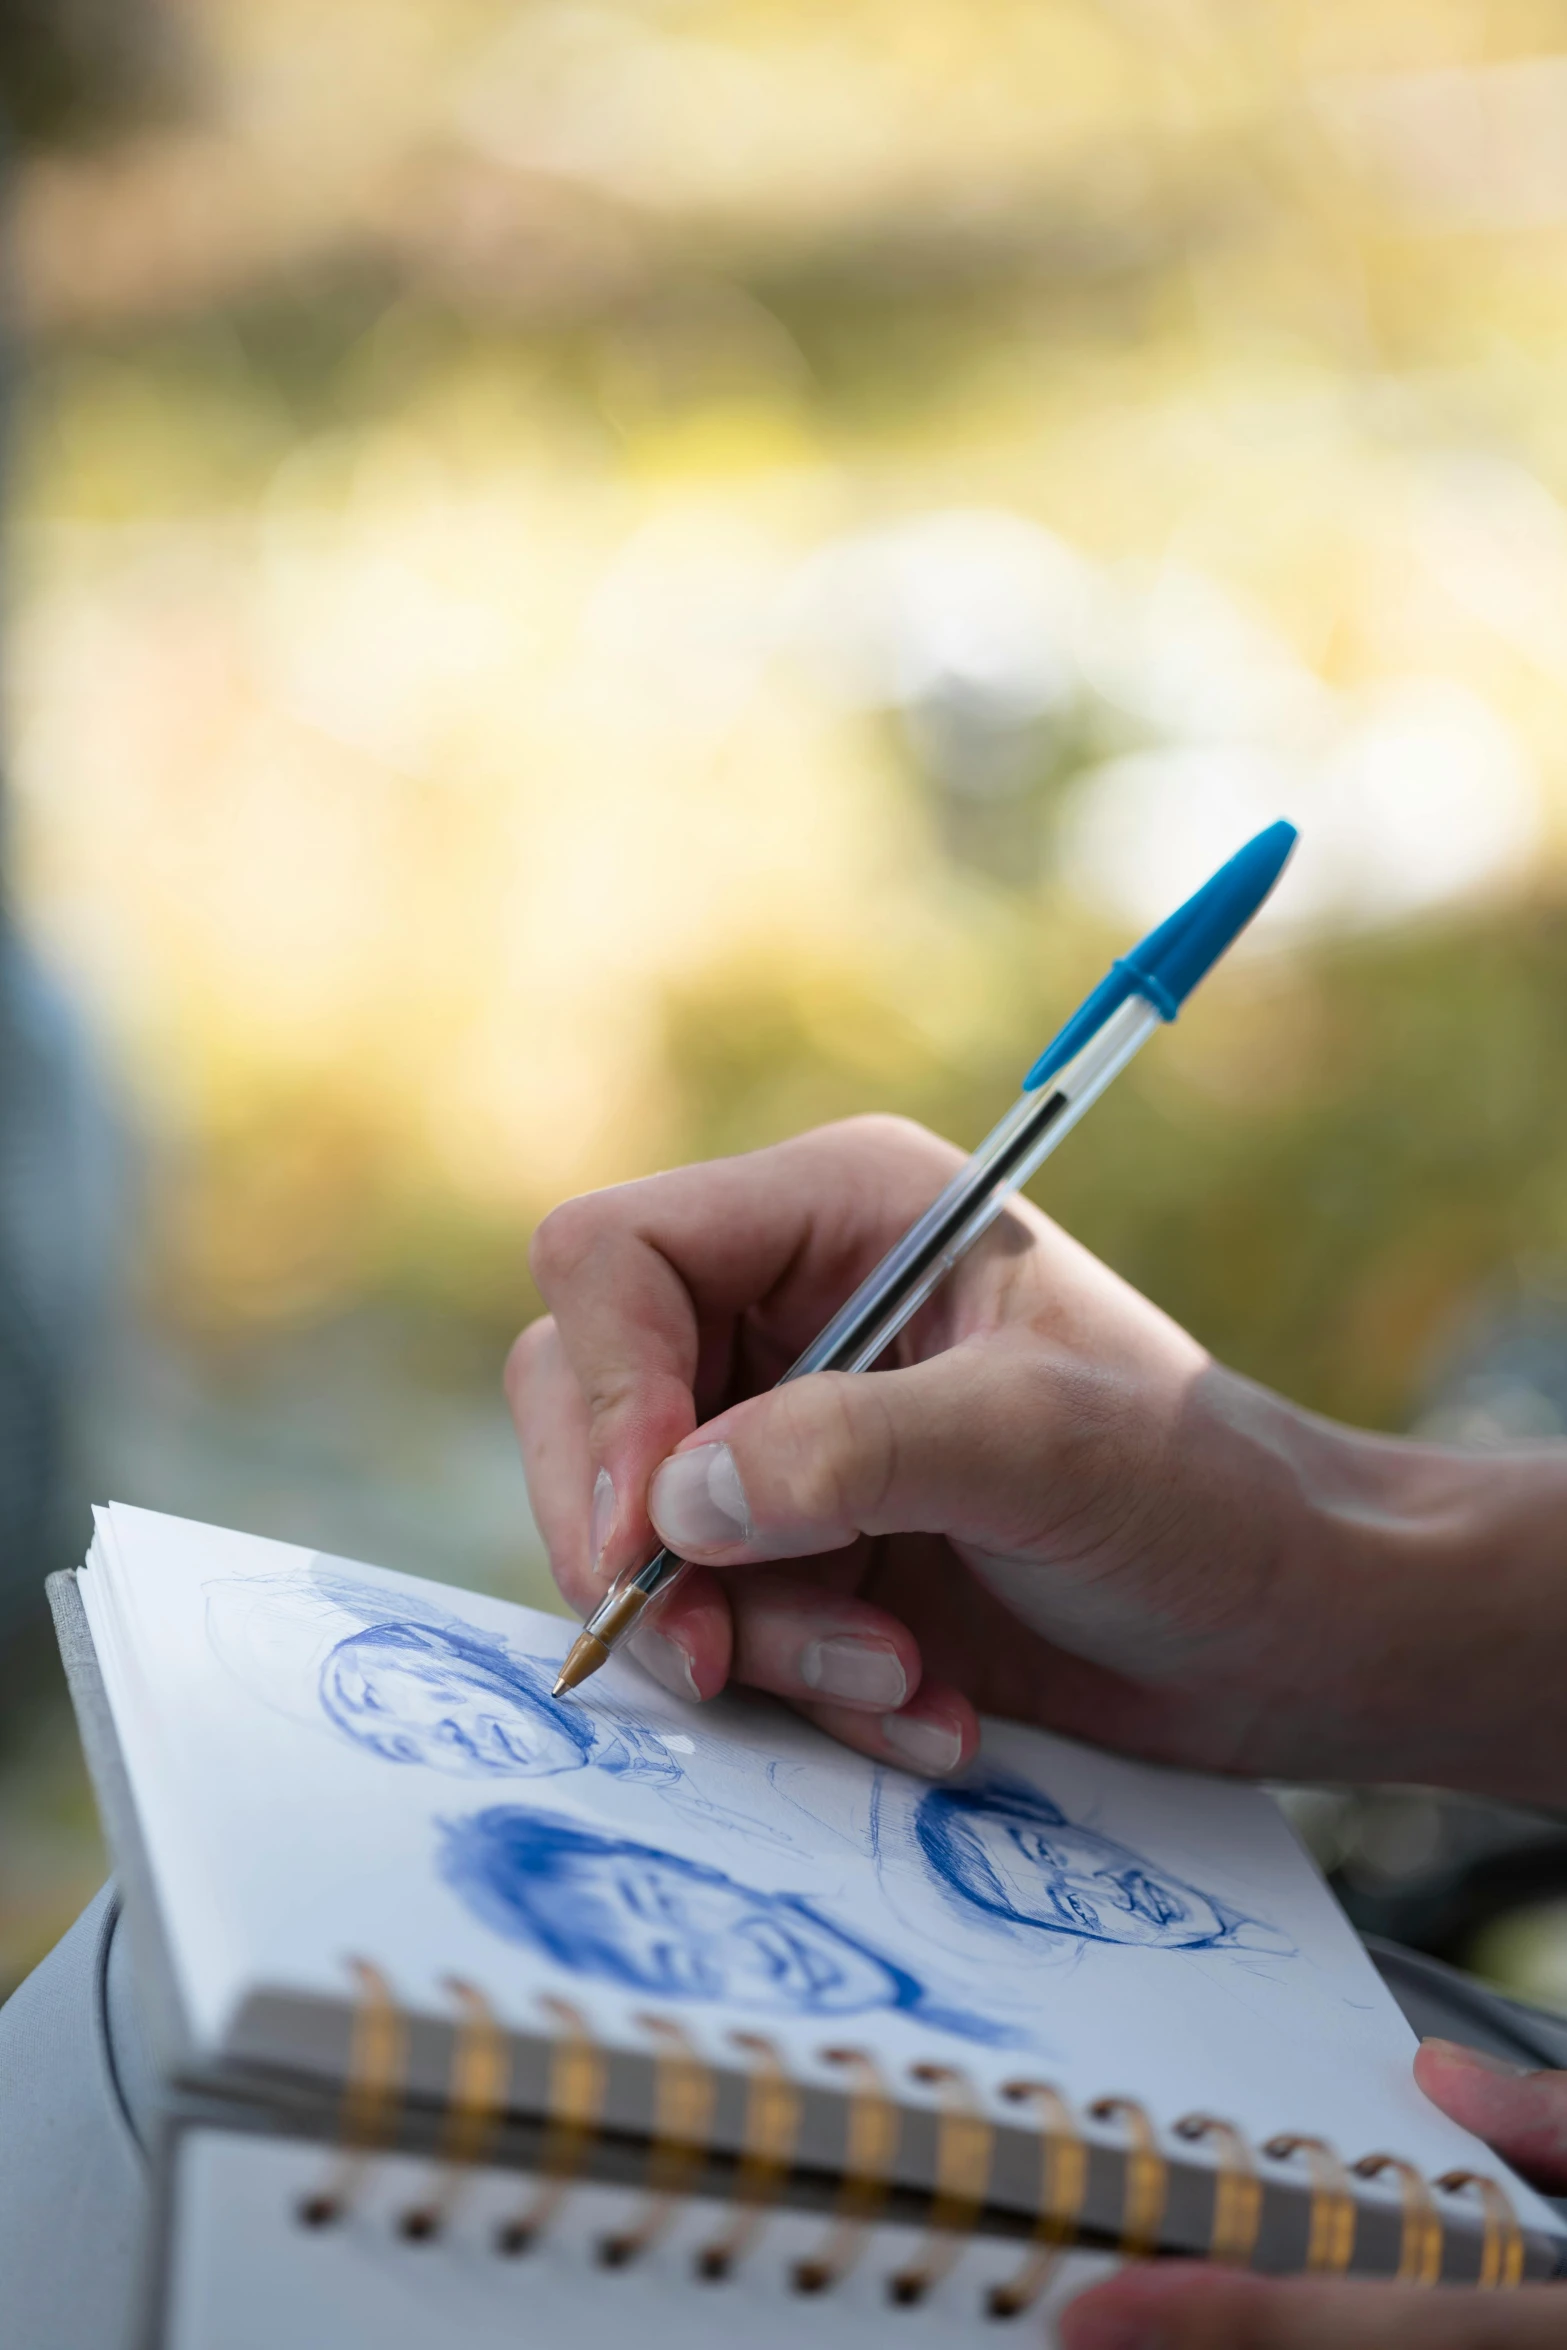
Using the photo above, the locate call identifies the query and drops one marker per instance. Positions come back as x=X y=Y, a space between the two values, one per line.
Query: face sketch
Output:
x=654 y=1922
x=1011 y=1853
x=415 y=1693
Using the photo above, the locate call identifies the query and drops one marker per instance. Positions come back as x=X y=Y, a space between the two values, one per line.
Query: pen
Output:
x=1140 y=990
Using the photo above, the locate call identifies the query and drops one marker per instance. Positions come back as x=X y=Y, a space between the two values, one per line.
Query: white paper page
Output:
x=246 y=2276
x=339 y=1760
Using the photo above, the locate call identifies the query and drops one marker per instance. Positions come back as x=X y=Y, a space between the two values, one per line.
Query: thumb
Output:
x=817 y=1461
x=1522 y=2114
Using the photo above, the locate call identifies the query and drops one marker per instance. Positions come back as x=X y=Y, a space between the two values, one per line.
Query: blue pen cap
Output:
x=1164 y=967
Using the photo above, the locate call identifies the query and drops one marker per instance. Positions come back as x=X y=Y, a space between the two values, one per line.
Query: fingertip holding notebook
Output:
x=482 y=2014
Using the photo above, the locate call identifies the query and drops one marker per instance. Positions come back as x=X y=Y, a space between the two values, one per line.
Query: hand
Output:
x=1052 y=1505
x=1187 y=2306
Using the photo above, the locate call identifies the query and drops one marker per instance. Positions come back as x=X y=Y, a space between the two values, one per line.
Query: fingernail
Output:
x=697 y=1500
x=667 y=1661
x=925 y=1746
x=1480 y=2059
x=866 y=1672
x=603 y=1516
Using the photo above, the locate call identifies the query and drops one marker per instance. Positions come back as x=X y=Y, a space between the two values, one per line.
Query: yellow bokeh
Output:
x=454 y=439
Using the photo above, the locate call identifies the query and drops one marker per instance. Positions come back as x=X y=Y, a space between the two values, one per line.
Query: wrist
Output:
x=1435 y=1585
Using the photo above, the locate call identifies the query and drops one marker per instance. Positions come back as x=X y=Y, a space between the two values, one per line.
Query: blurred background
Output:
x=596 y=581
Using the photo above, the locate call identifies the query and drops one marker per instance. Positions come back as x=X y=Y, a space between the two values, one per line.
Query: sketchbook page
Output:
x=343 y=1760
x=245 y=2276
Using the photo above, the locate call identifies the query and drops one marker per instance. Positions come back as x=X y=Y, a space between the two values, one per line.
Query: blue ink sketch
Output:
x=1005 y=1850
x=651 y=1921
x=438 y=1692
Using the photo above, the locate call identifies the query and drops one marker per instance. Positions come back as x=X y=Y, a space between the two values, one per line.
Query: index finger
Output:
x=673 y=1293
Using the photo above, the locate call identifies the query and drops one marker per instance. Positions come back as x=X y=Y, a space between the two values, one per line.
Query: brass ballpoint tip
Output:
x=586 y=1655
x=603 y=1632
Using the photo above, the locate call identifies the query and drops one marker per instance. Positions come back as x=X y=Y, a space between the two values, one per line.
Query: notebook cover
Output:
x=286 y=2054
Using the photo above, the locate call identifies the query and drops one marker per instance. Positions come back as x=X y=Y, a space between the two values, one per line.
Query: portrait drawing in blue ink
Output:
x=442 y=1693
x=654 y=1922
x=1004 y=1850
x=421 y=1693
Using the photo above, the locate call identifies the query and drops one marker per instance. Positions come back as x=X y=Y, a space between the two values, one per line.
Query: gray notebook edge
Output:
x=157 y=1983
x=285 y=2095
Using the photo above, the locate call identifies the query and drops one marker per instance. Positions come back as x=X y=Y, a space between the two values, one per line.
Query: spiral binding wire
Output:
x=1501 y=2255
x=1237 y=2190
x=1330 y=2243
x=578 y=2075
x=772 y=2126
x=1063 y=2186
x=684 y=2100
x=867 y=2172
x=475 y=2105
x=683 y=2111
x=377 y=2060
x=1420 y=2253
x=964 y=2144
x=1147 y=2176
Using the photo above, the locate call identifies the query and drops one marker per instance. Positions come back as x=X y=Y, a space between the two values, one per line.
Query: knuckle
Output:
x=884 y=1134
x=1104 y=1460
x=566 y=1240
x=875 y=1452
x=608 y=1391
x=872 y=1137
x=844 y=1453
x=1082 y=1404
x=526 y=1355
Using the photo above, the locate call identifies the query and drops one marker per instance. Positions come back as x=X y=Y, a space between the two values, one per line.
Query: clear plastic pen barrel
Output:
x=1012 y=1152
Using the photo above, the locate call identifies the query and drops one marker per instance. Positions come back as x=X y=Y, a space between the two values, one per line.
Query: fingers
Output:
x=631 y=1390
x=847 y=1666
x=551 y=1418
x=850 y=1667
x=1522 y=2114
x=815 y=1646
x=956 y=1445
x=937 y=1732
x=647 y=1282
x=686 y=1639
x=1176 y=2306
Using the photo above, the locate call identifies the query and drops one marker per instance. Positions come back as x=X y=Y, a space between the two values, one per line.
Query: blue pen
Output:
x=1140 y=991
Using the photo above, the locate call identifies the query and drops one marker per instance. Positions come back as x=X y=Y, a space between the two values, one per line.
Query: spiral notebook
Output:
x=492 y=2018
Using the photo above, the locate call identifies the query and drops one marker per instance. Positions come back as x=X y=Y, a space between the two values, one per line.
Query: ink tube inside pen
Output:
x=1010 y=1154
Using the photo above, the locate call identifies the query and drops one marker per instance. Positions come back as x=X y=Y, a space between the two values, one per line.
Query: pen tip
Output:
x=584 y=1659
